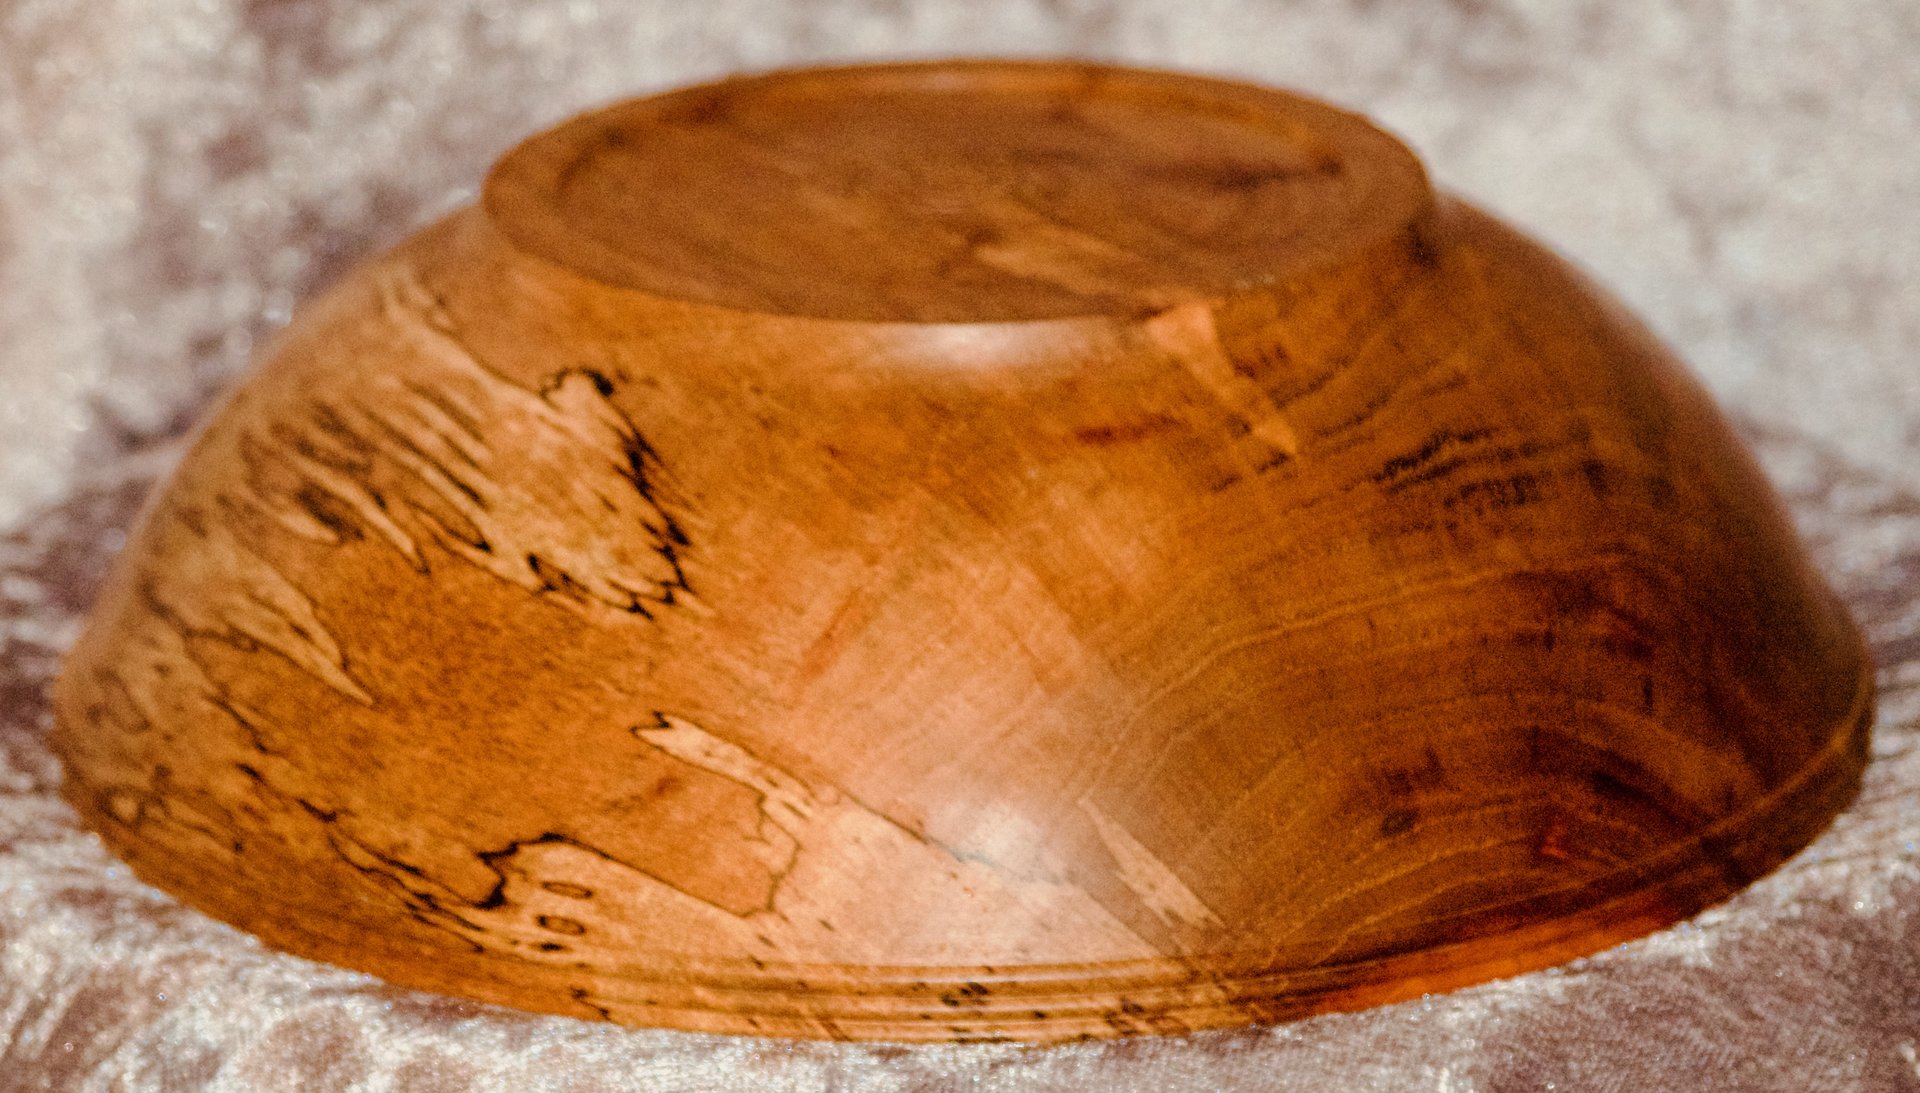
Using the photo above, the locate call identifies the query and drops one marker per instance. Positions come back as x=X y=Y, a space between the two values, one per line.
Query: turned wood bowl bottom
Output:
x=961 y=551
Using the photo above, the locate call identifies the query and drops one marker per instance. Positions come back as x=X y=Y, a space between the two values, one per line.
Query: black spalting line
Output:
x=446 y=406
x=580 y=995
x=639 y=464
x=405 y=441
x=426 y=908
x=325 y=509
x=232 y=637
x=355 y=454
x=1396 y=467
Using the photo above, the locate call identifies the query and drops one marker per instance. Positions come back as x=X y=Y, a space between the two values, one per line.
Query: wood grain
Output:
x=962 y=551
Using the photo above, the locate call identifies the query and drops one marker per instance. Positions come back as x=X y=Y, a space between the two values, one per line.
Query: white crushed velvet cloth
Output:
x=175 y=175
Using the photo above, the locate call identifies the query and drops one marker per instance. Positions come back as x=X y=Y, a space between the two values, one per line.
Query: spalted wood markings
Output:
x=962 y=551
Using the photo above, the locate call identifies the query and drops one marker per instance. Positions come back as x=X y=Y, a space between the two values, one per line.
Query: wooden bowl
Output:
x=962 y=551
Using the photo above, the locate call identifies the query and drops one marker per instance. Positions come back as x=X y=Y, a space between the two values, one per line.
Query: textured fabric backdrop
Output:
x=176 y=175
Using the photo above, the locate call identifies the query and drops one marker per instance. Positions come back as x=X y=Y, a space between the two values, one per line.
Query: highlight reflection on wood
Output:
x=962 y=551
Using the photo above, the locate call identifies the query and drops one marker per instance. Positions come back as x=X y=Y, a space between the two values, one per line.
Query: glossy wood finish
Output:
x=954 y=552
